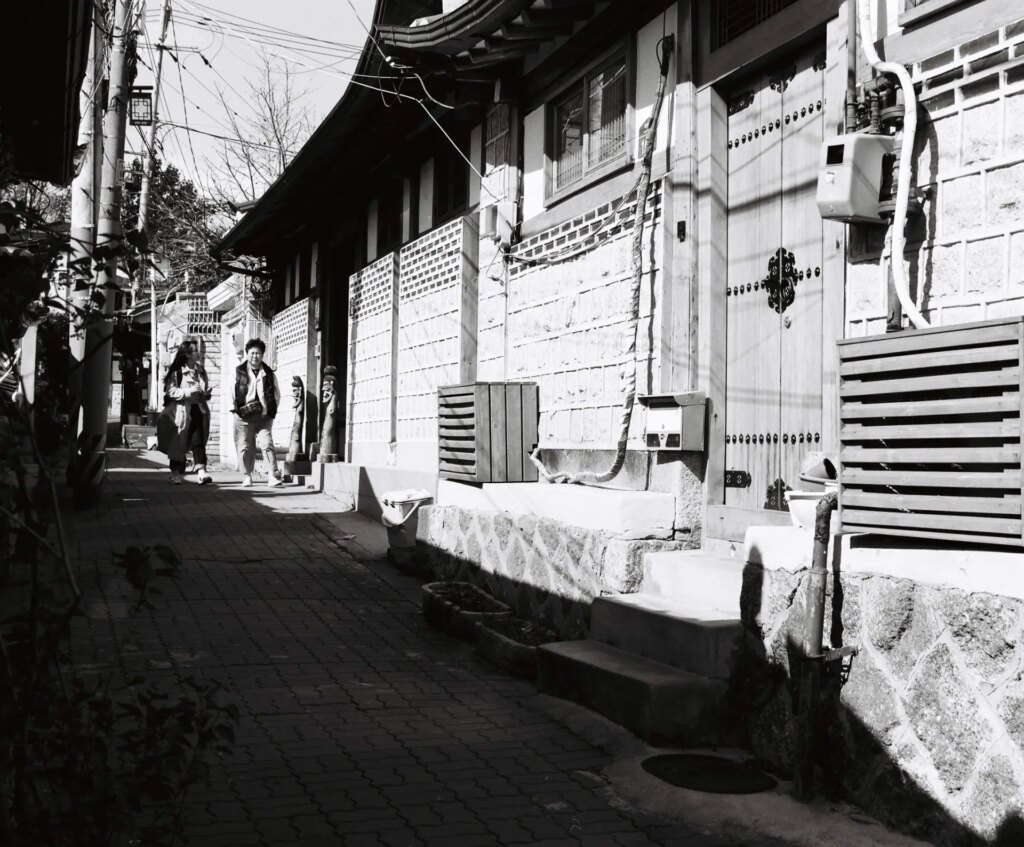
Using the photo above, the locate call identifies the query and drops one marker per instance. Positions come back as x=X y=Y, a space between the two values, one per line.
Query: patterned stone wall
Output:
x=546 y=570
x=966 y=254
x=564 y=325
x=372 y=306
x=290 y=330
x=928 y=730
x=435 y=333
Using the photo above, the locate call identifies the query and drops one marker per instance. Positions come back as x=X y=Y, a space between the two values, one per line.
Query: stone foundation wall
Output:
x=546 y=570
x=927 y=732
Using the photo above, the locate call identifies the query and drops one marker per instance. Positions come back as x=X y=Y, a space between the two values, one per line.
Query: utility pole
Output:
x=99 y=335
x=147 y=175
x=84 y=203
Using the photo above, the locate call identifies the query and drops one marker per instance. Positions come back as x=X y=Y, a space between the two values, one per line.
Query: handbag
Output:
x=251 y=411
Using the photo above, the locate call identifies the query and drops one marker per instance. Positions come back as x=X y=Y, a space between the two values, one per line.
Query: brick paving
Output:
x=359 y=724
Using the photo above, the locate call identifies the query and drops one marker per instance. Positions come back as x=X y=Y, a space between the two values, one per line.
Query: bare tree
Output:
x=263 y=141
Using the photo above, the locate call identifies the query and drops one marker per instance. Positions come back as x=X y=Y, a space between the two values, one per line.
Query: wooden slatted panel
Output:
x=486 y=430
x=931 y=434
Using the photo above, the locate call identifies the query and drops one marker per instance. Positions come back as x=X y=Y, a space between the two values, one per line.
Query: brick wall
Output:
x=433 y=331
x=966 y=254
x=290 y=330
x=371 y=336
x=567 y=323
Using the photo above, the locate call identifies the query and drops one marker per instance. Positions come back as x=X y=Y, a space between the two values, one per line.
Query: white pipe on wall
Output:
x=899 y=221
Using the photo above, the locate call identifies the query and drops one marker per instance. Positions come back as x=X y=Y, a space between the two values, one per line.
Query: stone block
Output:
x=1004 y=308
x=980 y=143
x=942 y=271
x=865 y=290
x=1011 y=711
x=1014 y=144
x=944 y=713
x=985 y=272
x=984 y=627
x=996 y=797
x=963 y=205
x=897 y=621
x=870 y=698
x=1004 y=201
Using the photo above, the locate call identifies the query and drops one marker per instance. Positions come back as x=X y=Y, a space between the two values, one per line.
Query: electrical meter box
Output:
x=674 y=421
x=851 y=177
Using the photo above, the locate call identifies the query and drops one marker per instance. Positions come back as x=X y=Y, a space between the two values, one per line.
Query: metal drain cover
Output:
x=711 y=774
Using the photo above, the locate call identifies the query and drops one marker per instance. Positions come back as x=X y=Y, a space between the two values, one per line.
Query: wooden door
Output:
x=774 y=281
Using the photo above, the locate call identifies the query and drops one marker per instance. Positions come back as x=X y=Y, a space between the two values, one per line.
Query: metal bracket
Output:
x=843 y=655
x=737 y=479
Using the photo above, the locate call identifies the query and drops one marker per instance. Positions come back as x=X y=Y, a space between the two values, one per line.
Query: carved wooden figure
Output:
x=329 y=404
x=295 y=451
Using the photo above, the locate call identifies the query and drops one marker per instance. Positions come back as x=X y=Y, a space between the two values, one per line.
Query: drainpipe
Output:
x=814 y=656
x=899 y=221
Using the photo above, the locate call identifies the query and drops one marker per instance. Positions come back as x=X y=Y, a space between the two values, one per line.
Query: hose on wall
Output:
x=665 y=48
x=899 y=221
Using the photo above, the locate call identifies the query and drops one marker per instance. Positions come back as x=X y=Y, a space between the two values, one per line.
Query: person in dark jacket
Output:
x=184 y=423
x=257 y=396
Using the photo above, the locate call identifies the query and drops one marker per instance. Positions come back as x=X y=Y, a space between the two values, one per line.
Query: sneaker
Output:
x=204 y=478
x=274 y=482
x=176 y=478
x=247 y=481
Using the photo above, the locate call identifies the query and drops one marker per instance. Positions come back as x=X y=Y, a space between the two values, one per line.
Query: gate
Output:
x=773 y=398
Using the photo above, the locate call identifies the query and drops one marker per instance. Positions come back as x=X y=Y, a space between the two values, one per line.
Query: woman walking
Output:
x=185 y=421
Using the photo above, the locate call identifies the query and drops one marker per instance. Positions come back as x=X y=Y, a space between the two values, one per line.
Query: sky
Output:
x=320 y=39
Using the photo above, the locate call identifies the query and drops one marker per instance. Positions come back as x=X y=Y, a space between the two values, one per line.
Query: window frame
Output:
x=443 y=156
x=911 y=16
x=626 y=50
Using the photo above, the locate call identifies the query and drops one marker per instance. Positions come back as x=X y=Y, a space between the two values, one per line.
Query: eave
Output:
x=483 y=33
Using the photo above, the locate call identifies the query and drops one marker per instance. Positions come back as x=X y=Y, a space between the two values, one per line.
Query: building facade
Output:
x=494 y=242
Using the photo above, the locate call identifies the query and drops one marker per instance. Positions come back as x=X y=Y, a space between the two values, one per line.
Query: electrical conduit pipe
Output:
x=899 y=221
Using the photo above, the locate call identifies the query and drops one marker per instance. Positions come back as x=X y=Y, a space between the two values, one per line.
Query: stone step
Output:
x=691 y=639
x=661 y=704
x=695 y=579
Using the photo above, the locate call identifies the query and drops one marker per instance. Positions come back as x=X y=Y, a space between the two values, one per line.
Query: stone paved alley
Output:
x=359 y=724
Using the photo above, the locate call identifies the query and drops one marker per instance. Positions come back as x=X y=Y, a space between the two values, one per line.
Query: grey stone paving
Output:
x=359 y=724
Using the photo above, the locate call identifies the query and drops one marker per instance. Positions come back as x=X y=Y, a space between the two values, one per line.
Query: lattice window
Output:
x=731 y=18
x=200 y=319
x=589 y=122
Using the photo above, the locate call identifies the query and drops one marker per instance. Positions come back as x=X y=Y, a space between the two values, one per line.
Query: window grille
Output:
x=732 y=18
x=589 y=123
x=498 y=147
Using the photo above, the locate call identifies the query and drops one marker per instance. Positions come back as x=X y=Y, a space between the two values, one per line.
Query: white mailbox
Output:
x=674 y=421
x=850 y=178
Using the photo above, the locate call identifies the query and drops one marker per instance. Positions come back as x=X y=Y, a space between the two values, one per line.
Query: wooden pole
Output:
x=84 y=201
x=147 y=170
x=99 y=334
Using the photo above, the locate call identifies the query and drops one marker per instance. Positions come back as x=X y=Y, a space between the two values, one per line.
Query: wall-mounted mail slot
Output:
x=674 y=421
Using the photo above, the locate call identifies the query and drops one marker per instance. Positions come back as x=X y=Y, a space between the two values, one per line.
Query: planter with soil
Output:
x=457 y=607
x=511 y=644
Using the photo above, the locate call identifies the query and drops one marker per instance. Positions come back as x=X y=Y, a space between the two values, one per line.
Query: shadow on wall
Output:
x=896 y=729
x=567 y=616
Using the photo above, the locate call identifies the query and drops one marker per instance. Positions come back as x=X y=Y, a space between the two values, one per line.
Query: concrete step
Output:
x=691 y=639
x=695 y=579
x=661 y=704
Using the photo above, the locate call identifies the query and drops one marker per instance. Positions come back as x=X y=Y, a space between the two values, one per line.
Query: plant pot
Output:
x=457 y=607
x=511 y=643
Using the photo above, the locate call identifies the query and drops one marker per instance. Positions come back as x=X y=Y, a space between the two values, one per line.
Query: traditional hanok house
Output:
x=761 y=354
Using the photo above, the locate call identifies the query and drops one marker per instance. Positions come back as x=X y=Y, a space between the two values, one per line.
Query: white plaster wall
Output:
x=533 y=164
x=426 y=196
x=476 y=156
x=371 y=230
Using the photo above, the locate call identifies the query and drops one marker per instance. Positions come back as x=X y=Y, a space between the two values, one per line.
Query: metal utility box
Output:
x=674 y=421
x=486 y=431
x=850 y=178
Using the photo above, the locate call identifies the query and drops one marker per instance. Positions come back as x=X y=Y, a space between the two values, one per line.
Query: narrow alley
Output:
x=359 y=725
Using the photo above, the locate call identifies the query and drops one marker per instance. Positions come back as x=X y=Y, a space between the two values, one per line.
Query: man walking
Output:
x=256 y=397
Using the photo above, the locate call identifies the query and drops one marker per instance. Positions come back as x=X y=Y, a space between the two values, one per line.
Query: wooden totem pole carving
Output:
x=329 y=405
x=295 y=451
